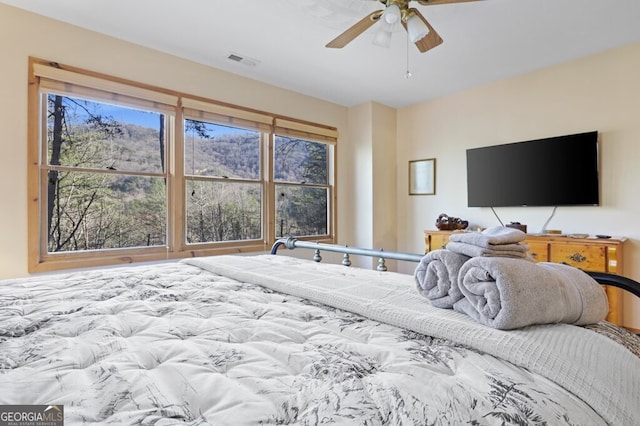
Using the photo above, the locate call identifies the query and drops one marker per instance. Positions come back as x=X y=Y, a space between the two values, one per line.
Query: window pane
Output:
x=221 y=151
x=301 y=211
x=297 y=160
x=221 y=211
x=92 y=211
x=87 y=134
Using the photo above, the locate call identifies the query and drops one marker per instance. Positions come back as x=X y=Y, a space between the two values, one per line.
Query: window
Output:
x=121 y=172
x=302 y=187
x=223 y=178
x=105 y=176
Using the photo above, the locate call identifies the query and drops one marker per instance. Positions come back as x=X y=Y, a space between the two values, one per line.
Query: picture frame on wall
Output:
x=422 y=177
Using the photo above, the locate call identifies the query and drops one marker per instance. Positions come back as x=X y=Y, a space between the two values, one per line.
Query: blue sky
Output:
x=143 y=118
x=130 y=115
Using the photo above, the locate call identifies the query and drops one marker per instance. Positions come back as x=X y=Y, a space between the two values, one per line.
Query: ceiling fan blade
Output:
x=358 y=28
x=437 y=2
x=429 y=41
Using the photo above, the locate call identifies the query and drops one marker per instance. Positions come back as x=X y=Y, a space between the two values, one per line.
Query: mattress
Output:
x=247 y=340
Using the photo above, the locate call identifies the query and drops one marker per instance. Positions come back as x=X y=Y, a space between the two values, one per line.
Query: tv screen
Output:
x=557 y=171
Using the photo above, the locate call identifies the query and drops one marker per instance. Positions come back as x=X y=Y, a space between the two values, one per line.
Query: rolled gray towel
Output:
x=490 y=237
x=511 y=293
x=518 y=251
x=437 y=277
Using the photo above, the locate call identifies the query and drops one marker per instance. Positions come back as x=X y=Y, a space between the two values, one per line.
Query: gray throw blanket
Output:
x=511 y=293
x=496 y=235
x=518 y=251
x=437 y=277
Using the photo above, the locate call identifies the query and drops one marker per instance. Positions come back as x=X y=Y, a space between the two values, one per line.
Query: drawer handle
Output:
x=577 y=257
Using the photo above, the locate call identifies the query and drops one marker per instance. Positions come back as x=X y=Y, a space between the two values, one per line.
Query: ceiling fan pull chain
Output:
x=407 y=74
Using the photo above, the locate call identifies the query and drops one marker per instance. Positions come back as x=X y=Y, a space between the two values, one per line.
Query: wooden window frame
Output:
x=39 y=258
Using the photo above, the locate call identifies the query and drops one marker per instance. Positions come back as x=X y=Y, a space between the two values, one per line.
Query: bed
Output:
x=275 y=339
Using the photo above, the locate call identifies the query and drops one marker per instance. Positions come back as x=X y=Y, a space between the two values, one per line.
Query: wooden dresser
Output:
x=589 y=254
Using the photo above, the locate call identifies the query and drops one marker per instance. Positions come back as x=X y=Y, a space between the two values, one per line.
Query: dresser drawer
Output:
x=538 y=251
x=436 y=241
x=588 y=258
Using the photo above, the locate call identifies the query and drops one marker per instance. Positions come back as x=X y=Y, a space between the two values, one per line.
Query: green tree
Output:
x=90 y=210
x=302 y=209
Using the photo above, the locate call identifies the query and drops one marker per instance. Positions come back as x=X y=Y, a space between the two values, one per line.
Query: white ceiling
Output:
x=484 y=41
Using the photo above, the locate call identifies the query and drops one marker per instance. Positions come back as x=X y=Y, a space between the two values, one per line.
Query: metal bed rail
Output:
x=619 y=281
x=292 y=243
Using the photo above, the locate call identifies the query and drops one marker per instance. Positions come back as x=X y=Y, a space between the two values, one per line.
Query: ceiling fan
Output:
x=418 y=29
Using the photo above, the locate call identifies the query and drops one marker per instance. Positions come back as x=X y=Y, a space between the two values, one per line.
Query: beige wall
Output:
x=357 y=179
x=600 y=92
x=370 y=179
x=23 y=34
x=384 y=178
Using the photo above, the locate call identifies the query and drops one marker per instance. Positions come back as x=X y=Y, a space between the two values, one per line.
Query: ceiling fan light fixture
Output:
x=392 y=14
x=382 y=38
x=385 y=26
x=416 y=28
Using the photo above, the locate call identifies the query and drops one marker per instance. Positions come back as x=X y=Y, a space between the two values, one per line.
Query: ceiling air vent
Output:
x=242 y=59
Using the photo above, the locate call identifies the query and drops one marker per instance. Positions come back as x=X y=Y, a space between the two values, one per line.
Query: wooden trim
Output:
x=226 y=111
x=70 y=169
x=269 y=202
x=57 y=75
x=295 y=128
x=177 y=220
x=128 y=256
x=319 y=128
x=43 y=64
x=33 y=172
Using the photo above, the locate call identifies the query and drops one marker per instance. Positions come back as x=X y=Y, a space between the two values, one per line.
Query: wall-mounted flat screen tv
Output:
x=556 y=171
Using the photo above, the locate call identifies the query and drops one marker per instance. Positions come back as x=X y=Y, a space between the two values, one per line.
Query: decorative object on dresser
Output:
x=590 y=254
x=517 y=225
x=449 y=223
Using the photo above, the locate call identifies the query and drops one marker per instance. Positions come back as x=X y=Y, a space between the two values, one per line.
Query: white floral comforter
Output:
x=177 y=343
